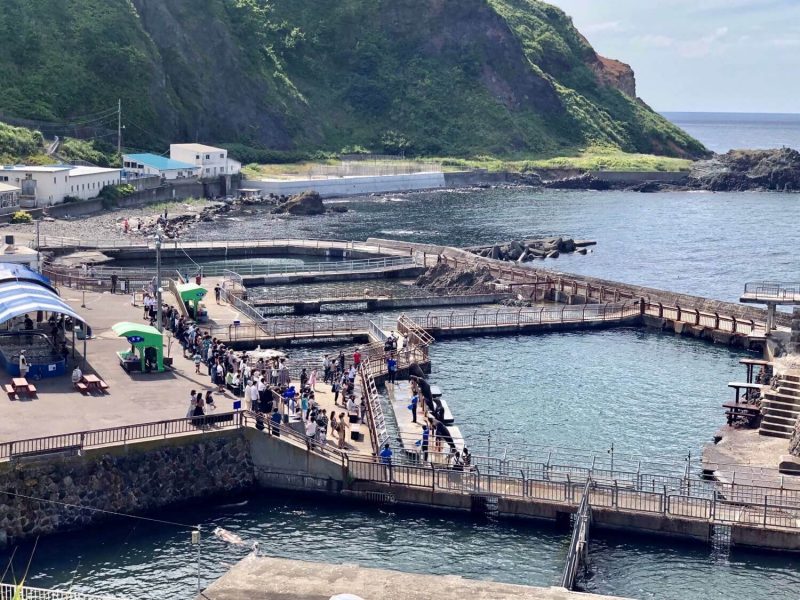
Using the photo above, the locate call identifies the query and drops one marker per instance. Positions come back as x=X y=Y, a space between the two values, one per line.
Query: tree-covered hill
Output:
x=438 y=77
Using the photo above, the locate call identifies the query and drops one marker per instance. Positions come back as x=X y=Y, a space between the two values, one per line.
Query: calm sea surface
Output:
x=643 y=392
x=721 y=132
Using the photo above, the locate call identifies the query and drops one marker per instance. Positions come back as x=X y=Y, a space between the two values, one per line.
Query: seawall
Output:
x=350 y=186
x=132 y=478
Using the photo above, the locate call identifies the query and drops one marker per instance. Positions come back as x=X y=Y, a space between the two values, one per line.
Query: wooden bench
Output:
x=9 y=389
x=31 y=389
x=103 y=385
x=82 y=387
x=749 y=411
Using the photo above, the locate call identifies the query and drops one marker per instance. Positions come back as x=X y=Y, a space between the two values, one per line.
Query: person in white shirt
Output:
x=253 y=397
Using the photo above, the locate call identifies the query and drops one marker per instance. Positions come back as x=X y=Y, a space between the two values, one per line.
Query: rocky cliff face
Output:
x=427 y=76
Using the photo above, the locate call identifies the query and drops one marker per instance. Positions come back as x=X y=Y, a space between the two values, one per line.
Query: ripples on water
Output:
x=697 y=243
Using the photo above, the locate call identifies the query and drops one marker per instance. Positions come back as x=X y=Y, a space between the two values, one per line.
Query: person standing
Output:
x=312 y=381
x=357 y=358
x=414 y=402
x=342 y=428
x=311 y=433
x=326 y=369
x=23 y=364
x=275 y=420
x=210 y=401
x=217 y=292
x=426 y=434
x=341 y=361
x=114 y=279
x=391 y=367
x=303 y=378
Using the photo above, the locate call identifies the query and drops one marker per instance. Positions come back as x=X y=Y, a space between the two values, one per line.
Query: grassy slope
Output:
x=434 y=77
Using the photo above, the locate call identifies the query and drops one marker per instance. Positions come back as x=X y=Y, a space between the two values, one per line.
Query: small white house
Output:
x=212 y=161
x=48 y=185
x=139 y=165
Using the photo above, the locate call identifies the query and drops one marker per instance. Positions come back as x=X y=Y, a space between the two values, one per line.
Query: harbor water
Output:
x=642 y=392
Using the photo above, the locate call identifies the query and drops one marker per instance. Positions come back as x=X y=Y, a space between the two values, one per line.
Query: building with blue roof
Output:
x=144 y=165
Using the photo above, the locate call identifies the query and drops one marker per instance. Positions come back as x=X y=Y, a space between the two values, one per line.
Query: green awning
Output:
x=138 y=333
x=191 y=292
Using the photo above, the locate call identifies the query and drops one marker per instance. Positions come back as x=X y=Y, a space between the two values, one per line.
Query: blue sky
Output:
x=701 y=55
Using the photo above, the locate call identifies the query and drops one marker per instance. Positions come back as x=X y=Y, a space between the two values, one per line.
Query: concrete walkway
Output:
x=281 y=579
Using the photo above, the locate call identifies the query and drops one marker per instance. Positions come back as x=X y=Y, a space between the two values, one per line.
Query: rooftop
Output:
x=79 y=171
x=162 y=163
x=37 y=168
x=197 y=147
x=4 y=187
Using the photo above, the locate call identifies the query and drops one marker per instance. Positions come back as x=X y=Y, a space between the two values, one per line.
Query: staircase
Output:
x=781 y=408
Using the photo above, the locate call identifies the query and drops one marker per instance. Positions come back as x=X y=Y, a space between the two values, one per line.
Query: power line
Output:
x=100 y=510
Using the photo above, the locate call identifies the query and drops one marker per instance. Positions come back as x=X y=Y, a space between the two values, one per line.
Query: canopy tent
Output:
x=142 y=338
x=192 y=293
x=18 y=298
x=26 y=292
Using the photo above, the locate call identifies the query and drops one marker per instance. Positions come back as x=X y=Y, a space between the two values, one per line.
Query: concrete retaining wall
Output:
x=128 y=479
x=351 y=186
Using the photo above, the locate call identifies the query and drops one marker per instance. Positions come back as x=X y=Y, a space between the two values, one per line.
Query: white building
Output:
x=140 y=165
x=45 y=186
x=213 y=161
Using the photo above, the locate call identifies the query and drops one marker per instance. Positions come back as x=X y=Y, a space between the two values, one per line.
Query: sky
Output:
x=701 y=55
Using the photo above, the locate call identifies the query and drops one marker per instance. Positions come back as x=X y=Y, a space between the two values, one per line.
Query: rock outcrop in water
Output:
x=307 y=203
x=745 y=170
x=528 y=250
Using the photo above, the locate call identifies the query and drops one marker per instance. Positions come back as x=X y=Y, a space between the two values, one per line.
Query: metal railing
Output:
x=50 y=241
x=342 y=266
x=767 y=290
x=12 y=592
x=289 y=329
x=119 y=435
x=709 y=501
x=579 y=543
x=522 y=317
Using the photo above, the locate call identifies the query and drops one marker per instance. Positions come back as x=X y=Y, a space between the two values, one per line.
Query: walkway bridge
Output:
x=298 y=301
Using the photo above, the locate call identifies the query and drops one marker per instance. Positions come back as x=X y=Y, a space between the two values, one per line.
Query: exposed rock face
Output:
x=307 y=203
x=742 y=170
x=615 y=74
x=443 y=276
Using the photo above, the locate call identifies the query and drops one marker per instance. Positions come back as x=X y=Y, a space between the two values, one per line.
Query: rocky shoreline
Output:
x=521 y=251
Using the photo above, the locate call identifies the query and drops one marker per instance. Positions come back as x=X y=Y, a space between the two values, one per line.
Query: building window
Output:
x=208 y=156
x=54 y=179
x=197 y=157
x=222 y=156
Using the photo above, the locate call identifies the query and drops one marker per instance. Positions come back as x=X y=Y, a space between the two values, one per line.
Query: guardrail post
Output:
x=678 y=310
x=716 y=320
x=733 y=319
x=696 y=317
x=765 y=510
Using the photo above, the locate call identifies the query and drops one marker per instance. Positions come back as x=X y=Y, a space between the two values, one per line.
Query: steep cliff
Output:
x=426 y=76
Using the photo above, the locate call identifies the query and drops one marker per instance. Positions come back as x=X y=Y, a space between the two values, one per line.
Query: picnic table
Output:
x=19 y=386
x=91 y=383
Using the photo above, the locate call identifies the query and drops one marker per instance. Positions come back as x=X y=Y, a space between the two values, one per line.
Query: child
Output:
x=197 y=360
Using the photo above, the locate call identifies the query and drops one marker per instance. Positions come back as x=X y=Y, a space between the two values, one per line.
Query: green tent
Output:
x=192 y=293
x=141 y=337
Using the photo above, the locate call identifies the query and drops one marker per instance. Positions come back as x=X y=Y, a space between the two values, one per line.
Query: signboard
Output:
x=135 y=339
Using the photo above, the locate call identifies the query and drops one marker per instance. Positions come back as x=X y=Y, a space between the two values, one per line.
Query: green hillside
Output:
x=435 y=77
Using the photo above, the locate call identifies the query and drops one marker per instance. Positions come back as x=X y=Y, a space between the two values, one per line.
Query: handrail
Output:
x=116 y=435
x=10 y=591
x=578 y=546
x=768 y=290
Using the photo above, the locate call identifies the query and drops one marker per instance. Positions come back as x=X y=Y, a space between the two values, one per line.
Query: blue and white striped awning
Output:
x=19 y=297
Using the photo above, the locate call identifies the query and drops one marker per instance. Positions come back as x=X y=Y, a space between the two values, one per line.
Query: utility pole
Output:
x=159 y=326
x=119 y=128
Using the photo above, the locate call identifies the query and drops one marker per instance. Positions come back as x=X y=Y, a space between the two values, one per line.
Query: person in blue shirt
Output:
x=386 y=455
x=426 y=434
x=414 y=402
x=391 y=366
x=276 y=419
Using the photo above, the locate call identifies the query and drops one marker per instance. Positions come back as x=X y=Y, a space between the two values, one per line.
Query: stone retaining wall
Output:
x=126 y=479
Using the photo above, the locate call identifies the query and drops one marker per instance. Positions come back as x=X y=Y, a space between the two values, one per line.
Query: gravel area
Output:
x=109 y=224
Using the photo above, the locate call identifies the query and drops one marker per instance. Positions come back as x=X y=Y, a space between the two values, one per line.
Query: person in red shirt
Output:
x=356 y=358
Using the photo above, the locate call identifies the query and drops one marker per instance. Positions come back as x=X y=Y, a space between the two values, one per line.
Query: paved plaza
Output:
x=132 y=397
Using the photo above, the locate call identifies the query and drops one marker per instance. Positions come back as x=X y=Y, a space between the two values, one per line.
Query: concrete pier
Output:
x=282 y=579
